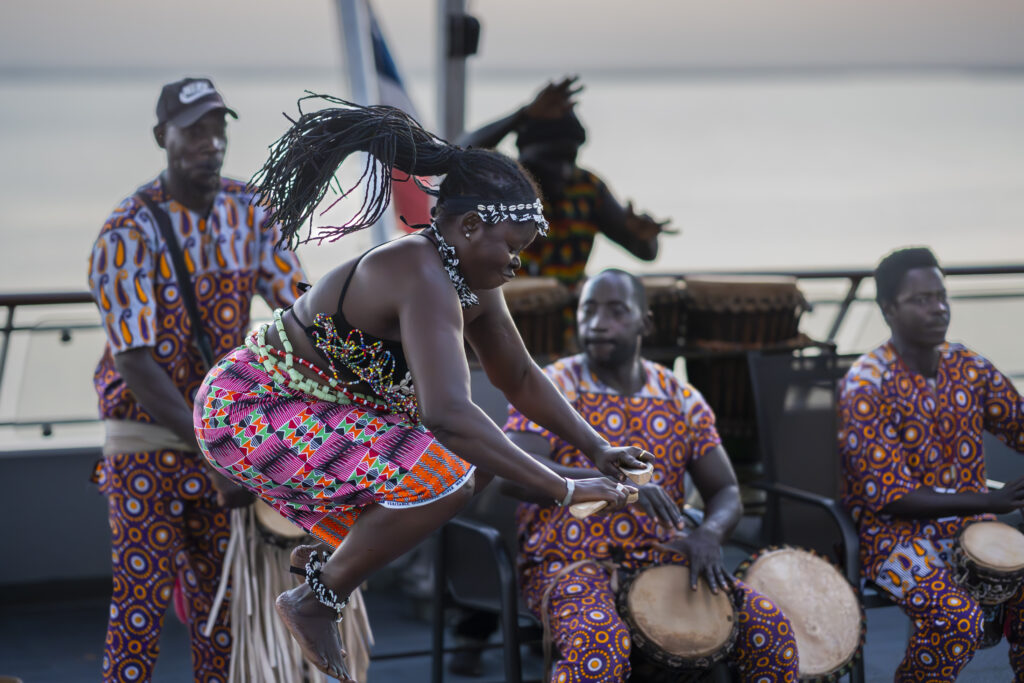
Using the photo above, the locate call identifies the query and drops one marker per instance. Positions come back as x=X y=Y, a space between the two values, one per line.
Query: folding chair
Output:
x=473 y=569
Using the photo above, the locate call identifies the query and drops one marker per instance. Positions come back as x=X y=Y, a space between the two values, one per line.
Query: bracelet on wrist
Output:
x=570 y=486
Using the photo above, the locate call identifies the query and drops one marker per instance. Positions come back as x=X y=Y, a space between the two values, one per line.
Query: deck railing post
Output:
x=8 y=329
x=844 y=307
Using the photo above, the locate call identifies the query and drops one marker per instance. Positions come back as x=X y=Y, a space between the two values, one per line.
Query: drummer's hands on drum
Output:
x=704 y=553
x=1008 y=498
x=612 y=459
x=659 y=505
x=601 y=489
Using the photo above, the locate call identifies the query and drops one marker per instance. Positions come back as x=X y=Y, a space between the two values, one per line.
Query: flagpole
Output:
x=451 y=70
x=354 y=28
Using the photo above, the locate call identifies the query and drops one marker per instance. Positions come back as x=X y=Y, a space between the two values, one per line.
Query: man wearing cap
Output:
x=577 y=204
x=166 y=508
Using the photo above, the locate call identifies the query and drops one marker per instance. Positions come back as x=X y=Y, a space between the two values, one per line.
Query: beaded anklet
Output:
x=325 y=595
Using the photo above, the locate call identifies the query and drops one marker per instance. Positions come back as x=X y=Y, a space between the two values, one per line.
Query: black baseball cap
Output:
x=184 y=102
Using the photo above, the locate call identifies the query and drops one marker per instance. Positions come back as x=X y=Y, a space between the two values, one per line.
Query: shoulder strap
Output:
x=348 y=278
x=185 y=288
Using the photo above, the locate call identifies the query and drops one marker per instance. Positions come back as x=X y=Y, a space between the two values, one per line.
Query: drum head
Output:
x=820 y=603
x=681 y=621
x=275 y=524
x=994 y=545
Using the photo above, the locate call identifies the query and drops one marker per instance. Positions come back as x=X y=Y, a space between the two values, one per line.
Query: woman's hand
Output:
x=601 y=489
x=704 y=552
x=611 y=459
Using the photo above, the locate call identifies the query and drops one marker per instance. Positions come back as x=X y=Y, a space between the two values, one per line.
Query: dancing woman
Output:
x=351 y=413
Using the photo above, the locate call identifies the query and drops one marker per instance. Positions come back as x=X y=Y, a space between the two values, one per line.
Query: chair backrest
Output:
x=477 y=565
x=795 y=404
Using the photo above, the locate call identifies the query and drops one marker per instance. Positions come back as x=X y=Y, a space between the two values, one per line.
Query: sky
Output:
x=524 y=34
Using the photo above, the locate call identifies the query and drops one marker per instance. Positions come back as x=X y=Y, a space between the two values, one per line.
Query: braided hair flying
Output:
x=303 y=162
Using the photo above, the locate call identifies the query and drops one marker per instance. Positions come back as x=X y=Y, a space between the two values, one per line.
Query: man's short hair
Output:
x=639 y=292
x=890 y=271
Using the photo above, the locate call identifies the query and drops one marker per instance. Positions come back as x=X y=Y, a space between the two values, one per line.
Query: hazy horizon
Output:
x=528 y=34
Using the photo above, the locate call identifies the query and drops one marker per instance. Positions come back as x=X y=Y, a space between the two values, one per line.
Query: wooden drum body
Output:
x=988 y=561
x=666 y=297
x=824 y=609
x=726 y=318
x=542 y=309
x=276 y=529
x=677 y=633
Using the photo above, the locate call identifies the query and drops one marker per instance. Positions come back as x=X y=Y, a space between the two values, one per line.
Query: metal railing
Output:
x=853 y=278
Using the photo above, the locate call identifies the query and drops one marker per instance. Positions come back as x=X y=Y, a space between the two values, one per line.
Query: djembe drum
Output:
x=988 y=562
x=828 y=620
x=726 y=318
x=542 y=309
x=256 y=566
x=666 y=297
x=677 y=633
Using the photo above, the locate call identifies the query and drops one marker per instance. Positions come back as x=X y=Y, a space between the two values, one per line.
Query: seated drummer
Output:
x=911 y=418
x=632 y=401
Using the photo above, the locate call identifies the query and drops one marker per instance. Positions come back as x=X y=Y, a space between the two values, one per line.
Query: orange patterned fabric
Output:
x=900 y=431
x=231 y=256
x=671 y=420
x=667 y=417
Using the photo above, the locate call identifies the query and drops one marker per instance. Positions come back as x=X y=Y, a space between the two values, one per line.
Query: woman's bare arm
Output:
x=510 y=368
x=431 y=330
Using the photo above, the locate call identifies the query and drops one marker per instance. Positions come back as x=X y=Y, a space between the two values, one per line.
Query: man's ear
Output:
x=470 y=223
x=648 y=323
x=159 y=131
x=888 y=308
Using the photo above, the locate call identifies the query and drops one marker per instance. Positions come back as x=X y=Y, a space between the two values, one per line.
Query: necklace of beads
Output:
x=451 y=266
x=370 y=362
x=281 y=366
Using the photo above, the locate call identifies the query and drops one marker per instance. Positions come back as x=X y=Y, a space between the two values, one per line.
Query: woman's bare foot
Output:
x=312 y=624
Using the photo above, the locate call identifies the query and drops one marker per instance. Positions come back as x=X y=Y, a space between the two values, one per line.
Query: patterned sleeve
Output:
x=280 y=270
x=562 y=377
x=1004 y=412
x=701 y=433
x=871 y=448
x=121 y=272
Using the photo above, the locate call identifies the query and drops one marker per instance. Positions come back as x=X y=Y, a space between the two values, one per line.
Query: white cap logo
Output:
x=191 y=92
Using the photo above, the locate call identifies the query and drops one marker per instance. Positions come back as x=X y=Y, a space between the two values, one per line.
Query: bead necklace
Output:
x=281 y=366
x=451 y=266
x=371 y=363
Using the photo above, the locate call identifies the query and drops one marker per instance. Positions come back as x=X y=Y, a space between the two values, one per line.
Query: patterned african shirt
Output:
x=900 y=431
x=667 y=417
x=231 y=256
x=563 y=253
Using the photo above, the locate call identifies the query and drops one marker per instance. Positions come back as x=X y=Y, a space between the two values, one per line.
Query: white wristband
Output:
x=570 y=486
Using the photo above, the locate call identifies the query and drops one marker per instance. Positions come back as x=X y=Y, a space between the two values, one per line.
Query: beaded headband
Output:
x=491 y=213
x=518 y=213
